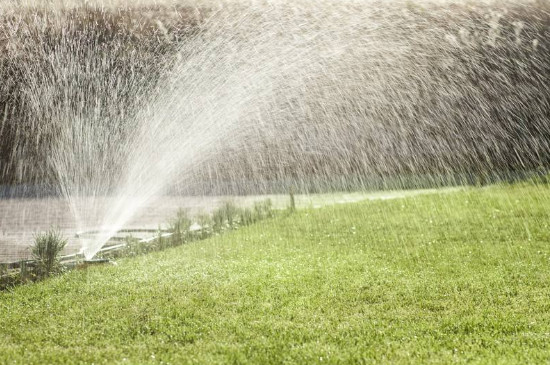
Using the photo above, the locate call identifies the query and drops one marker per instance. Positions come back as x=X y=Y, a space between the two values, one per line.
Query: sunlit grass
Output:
x=456 y=277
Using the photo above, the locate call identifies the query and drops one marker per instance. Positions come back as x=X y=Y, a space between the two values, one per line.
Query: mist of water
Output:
x=289 y=91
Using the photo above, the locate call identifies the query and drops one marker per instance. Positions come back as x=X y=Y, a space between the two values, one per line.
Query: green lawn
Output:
x=443 y=278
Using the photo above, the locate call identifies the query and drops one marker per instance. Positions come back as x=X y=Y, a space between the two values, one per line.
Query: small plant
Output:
x=225 y=216
x=134 y=247
x=45 y=252
x=24 y=273
x=231 y=212
x=218 y=220
x=247 y=217
x=162 y=242
x=206 y=223
x=263 y=210
x=5 y=280
x=9 y=278
x=180 y=227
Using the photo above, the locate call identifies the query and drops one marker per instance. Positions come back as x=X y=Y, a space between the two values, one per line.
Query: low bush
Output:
x=45 y=252
x=247 y=217
x=8 y=278
x=206 y=224
x=263 y=210
x=225 y=217
x=180 y=228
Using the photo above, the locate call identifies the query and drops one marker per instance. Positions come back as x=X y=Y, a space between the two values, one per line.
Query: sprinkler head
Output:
x=96 y=261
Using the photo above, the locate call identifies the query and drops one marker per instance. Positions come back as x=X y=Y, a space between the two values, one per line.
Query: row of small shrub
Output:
x=183 y=228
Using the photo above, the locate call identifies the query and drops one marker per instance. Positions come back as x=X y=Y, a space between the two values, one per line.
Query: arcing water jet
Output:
x=319 y=94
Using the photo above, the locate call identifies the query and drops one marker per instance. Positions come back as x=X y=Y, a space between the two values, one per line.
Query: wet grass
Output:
x=457 y=277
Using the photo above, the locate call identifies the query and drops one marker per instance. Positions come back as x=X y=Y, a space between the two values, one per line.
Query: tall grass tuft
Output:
x=180 y=227
x=247 y=217
x=263 y=210
x=225 y=217
x=46 y=250
x=206 y=223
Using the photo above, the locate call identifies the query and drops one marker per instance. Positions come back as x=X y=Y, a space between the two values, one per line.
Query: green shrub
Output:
x=24 y=272
x=247 y=216
x=231 y=212
x=45 y=252
x=134 y=247
x=218 y=220
x=225 y=216
x=179 y=227
x=160 y=243
x=206 y=223
x=263 y=209
x=9 y=280
x=6 y=280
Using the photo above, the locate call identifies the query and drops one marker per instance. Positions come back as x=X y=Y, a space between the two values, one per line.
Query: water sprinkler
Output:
x=97 y=261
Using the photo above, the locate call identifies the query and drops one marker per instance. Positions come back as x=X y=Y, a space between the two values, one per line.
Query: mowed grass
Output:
x=460 y=277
